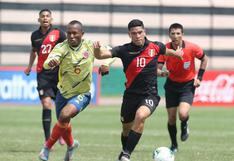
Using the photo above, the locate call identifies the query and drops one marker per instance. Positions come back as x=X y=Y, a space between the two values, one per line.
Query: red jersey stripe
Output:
x=47 y=45
x=139 y=62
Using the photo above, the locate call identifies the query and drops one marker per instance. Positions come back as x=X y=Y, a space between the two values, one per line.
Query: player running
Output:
x=75 y=59
x=139 y=58
x=181 y=82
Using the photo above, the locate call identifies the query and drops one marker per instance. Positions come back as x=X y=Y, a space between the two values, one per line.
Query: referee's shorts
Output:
x=178 y=92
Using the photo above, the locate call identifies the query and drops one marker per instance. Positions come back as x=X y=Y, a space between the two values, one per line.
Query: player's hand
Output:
x=197 y=83
x=53 y=63
x=27 y=71
x=103 y=70
x=164 y=73
x=179 y=53
x=97 y=45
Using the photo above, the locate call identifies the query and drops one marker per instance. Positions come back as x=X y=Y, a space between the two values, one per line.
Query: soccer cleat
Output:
x=124 y=156
x=174 y=148
x=61 y=141
x=120 y=155
x=44 y=154
x=184 y=132
x=70 y=151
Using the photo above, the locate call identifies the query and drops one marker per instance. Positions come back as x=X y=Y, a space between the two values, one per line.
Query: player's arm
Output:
x=169 y=52
x=33 y=55
x=177 y=53
x=101 y=53
x=160 y=71
x=105 y=67
x=54 y=58
x=201 y=71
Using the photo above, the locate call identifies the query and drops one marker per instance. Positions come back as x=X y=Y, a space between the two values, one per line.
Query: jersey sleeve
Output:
x=116 y=51
x=32 y=41
x=162 y=48
x=56 y=53
x=161 y=59
x=198 y=52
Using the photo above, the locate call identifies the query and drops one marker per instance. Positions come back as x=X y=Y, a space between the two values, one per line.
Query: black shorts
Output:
x=47 y=83
x=178 y=92
x=131 y=102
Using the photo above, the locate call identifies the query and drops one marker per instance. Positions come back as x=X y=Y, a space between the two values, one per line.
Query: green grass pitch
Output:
x=98 y=130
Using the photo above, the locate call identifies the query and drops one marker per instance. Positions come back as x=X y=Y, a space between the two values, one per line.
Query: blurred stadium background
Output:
x=208 y=23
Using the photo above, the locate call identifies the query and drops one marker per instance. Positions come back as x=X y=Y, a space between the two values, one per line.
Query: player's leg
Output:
x=186 y=100
x=171 y=126
x=147 y=107
x=172 y=101
x=46 y=93
x=184 y=117
x=67 y=113
x=126 y=127
x=80 y=102
x=57 y=129
x=128 y=110
x=137 y=128
x=46 y=115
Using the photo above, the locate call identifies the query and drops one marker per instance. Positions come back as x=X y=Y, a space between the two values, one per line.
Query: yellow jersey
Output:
x=75 y=68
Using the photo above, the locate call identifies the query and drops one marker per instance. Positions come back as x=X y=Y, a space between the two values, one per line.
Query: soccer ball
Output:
x=163 y=154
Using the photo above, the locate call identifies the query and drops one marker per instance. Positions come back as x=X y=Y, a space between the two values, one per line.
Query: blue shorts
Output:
x=80 y=101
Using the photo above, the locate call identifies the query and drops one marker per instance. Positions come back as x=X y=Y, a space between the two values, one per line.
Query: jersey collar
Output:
x=183 y=45
x=78 y=47
x=137 y=48
x=46 y=31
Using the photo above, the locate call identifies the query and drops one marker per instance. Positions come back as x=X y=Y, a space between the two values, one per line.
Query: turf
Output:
x=98 y=130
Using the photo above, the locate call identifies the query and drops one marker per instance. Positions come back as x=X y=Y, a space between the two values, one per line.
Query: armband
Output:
x=200 y=74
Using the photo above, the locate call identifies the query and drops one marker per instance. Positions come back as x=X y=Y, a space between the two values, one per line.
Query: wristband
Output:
x=200 y=74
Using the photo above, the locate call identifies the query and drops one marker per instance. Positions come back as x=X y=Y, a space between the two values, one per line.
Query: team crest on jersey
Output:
x=52 y=38
x=85 y=54
x=151 y=52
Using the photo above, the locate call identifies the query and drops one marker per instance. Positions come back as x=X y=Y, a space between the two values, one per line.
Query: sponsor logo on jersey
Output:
x=40 y=39
x=133 y=53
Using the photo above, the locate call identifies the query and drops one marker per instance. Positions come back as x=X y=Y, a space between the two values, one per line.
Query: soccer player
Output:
x=181 y=82
x=139 y=58
x=75 y=59
x=43 y=41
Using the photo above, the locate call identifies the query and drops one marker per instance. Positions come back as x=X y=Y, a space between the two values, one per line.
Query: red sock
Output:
x=57 y=131
x=67 y=136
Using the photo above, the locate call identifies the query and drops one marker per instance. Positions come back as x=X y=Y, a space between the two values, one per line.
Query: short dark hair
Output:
x=134 y=23
x=176 y=26
x=73 y=22
x=45 y=10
